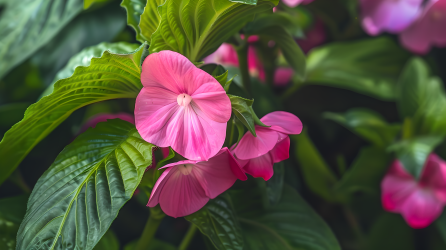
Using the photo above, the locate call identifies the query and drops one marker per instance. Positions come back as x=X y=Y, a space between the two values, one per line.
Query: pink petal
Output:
x=156 y=191
x=251 y=147
x=182 y=194
x=91 y=123
x=281 y=151
x=294 y=3
x=282 y=76
x=313 y=37
x=213 y=101
x=428 y=30
x=261 y=166
x=421 y=208
x=225 y=55
x=434 y=176
x=283 y=122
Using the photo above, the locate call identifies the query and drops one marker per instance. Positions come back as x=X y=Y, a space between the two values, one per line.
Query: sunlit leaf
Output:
x=110 y=77
x=78 y=197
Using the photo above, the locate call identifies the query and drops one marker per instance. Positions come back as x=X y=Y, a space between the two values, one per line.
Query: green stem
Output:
x=231 y=133
x=188 y=237
x=354 y=224
x=150 y=229
x=242 y=54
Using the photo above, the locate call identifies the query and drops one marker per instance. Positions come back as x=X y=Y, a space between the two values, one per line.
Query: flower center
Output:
x=185 y=169
x=184 y=99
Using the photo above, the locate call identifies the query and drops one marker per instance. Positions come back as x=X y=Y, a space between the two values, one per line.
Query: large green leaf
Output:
x=75 y=201
x=367 y=124
x=370 y=67
x=291 y=224
x=110 y=77
x=84 y=57
x=317 y=174
x=390 y=232
x=197 y=28
x=150 y=19
x=155 y=244
x=26 y=25
x=218 y=222
x=12 y=211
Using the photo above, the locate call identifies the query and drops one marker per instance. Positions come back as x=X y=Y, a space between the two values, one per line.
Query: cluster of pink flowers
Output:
x=420 y=25
x=183 y=107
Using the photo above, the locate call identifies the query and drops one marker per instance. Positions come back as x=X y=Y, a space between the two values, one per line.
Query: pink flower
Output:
x=428 y=30
x=186 y=186
x=419 y=201
x=388 y=15
x=181 y=106
x=257 y=155
x=91 y=123
x=294 y=3
x=313 y=37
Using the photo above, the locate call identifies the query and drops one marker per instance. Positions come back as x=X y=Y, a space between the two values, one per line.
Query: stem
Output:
x=188 y=237
x=17 y=178
x=242 y=54
x=351 y=218
x=150 y=229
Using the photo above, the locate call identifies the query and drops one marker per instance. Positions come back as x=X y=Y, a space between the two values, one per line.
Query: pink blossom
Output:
x=313 y=37
x=91 y=123
x=388 y=15
x=294 y=3
x=428 y=30
x=419 y=201
x=186 y=186
x=257 y=155
x=181 y=106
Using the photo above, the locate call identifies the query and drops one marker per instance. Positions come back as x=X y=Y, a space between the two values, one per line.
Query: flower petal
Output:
x=251 y=147
x=283 y=122
x=181 y=194
x=281 y=151
x=156 y=191
x=434 y=176
x=261 y=166
x=212 y=101
x=421 y=208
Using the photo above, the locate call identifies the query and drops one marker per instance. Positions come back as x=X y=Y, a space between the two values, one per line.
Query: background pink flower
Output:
x=186 y=186
x=181 y=106
x=313 y=37
x=419 y=201
x=388 y=15
x=428 y=30
x=91 y=123
x=294 y=3
x=257 y=155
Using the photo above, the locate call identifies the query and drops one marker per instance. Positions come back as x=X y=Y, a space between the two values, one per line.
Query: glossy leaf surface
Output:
x=75 y=201
x=110 y=77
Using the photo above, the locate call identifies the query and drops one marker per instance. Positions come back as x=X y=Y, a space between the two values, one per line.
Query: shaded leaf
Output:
x=243 y=111
x=440 y=223
x=110 y=77
x=26 y=25
x=292 y=24
x=88 y=3
x=367 y=124
x=154 y=245
x=390 y=232
x=217 y=221
x=78 y=197
x=134 y=9
x=370 y=66
x=190 y=28
x=12 y=211
x=108 y=242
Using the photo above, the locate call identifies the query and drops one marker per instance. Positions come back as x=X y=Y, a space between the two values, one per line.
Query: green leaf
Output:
x=217 y=221
x=370 y=66
x=134 y=9
x=317 y=174
x=440 y=223
x=290 y=49
x=292 y=24
x=150 y=19
x=154 y=245
x=88 y=3
x=291 y=224
x=26 y=25
x=366 y=172
x=218 y=72
x=12 y=211
x=413 y=152
x=367 y=124
x=110 y=77
x=78 y=197
x=197 y=28
x=84 y=57
x=242 y=110
x=274 y=185
x=390 y=232
x=108 y=242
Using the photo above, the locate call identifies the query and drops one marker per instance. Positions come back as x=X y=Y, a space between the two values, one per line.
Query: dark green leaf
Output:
x=367 y=124
x=366 y=172
x=12 y=211
x=110 y=77
x=291 y=224
x=441 y=225
x=413 y=152
x=134 y=9
x=293 y=24
x=390 y=232
x=217 y=221
x=218 y=72
x=78 y=197
x=274 y=185
x=154 y=245
x=317 y=174
x=291 y=51
x=11 y=113
x=26 y=25
x=188 y=27
x=108 y=242
x=370 y=67
x=242 y=110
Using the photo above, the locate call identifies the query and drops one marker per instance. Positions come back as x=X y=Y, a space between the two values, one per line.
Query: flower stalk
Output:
x=152 y=224
x=188 y=237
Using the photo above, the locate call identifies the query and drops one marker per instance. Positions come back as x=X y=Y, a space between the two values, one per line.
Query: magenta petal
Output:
x=282 y=76
x=91 y=123
x=181 y=194
x=261 y=166
x=156 y=191
x=434 y=176
x=250 y=147
x=421 y=208
x=294 y=3
x=281 y=151
x=283 y=122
